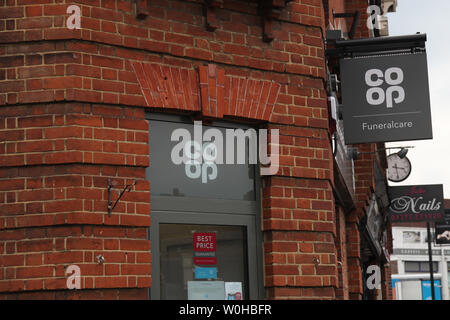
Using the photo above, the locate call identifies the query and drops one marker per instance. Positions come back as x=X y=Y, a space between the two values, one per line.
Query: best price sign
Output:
x=205 y=248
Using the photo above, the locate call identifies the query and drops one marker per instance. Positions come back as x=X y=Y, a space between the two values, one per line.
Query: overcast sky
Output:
x=430 y=159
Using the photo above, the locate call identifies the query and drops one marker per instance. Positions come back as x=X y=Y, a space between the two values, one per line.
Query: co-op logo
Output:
x=206 y=150
x=376 y=95
x=201 y=161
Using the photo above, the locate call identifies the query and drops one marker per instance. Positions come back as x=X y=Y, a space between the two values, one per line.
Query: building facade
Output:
x=410 y=262
x=411 y=269
x=91 y=93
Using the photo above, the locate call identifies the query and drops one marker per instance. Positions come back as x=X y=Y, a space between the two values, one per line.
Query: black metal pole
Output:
x=430 y=260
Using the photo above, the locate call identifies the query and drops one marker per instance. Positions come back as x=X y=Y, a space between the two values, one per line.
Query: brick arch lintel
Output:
x=207 y=89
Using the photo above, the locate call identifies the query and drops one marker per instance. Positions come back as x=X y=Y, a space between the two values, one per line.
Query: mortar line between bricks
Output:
x=151 y=108
x=290 y=135
x=162 y=54
x=76 y=163
x=304 y=178
x=298 y=231
x=62 y=225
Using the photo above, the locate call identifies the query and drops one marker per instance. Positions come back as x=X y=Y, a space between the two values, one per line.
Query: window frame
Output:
x=192 y=210
x=422 y=266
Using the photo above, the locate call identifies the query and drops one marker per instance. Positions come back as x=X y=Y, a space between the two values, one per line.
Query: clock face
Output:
x=398 y=168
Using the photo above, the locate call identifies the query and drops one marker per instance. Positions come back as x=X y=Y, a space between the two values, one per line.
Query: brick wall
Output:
x=300 y=254
x=55 y=162
x=73 y=116
x=97 y=67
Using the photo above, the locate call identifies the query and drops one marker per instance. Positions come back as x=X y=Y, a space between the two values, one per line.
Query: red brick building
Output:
x=76 y=109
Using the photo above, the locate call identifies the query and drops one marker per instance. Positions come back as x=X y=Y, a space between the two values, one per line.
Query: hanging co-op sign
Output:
x=416 y=203
x=386 y=98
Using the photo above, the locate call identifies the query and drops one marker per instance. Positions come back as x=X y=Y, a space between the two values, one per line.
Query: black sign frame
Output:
x=416 y=203
x=386 y=98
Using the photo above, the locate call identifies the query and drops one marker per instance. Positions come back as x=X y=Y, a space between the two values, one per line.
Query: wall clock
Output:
x=398 y=168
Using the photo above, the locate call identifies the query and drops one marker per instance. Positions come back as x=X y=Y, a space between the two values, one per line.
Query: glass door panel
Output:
x=183 y=259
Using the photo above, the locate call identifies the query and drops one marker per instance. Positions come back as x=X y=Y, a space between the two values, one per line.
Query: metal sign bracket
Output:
x=127 y=188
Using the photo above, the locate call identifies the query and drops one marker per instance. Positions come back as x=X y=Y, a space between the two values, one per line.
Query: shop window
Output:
x=411 y=290
x=219 y=181
x=411 y=236
x=420 y=266
x=179 y=265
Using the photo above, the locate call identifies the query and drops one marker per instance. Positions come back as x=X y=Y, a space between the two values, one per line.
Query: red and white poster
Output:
x=205 y=248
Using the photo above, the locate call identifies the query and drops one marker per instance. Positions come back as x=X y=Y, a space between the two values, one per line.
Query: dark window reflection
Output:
x=176 y=254
x=233 y=181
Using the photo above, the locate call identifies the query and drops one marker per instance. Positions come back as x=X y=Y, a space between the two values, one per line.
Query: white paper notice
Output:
x=233 y=291
x=206 y=290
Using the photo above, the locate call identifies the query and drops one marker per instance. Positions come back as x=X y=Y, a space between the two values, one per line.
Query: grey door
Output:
x=172 y=252
x=227 y=207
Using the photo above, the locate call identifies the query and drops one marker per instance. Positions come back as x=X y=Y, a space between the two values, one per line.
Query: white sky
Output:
x=430 y=159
